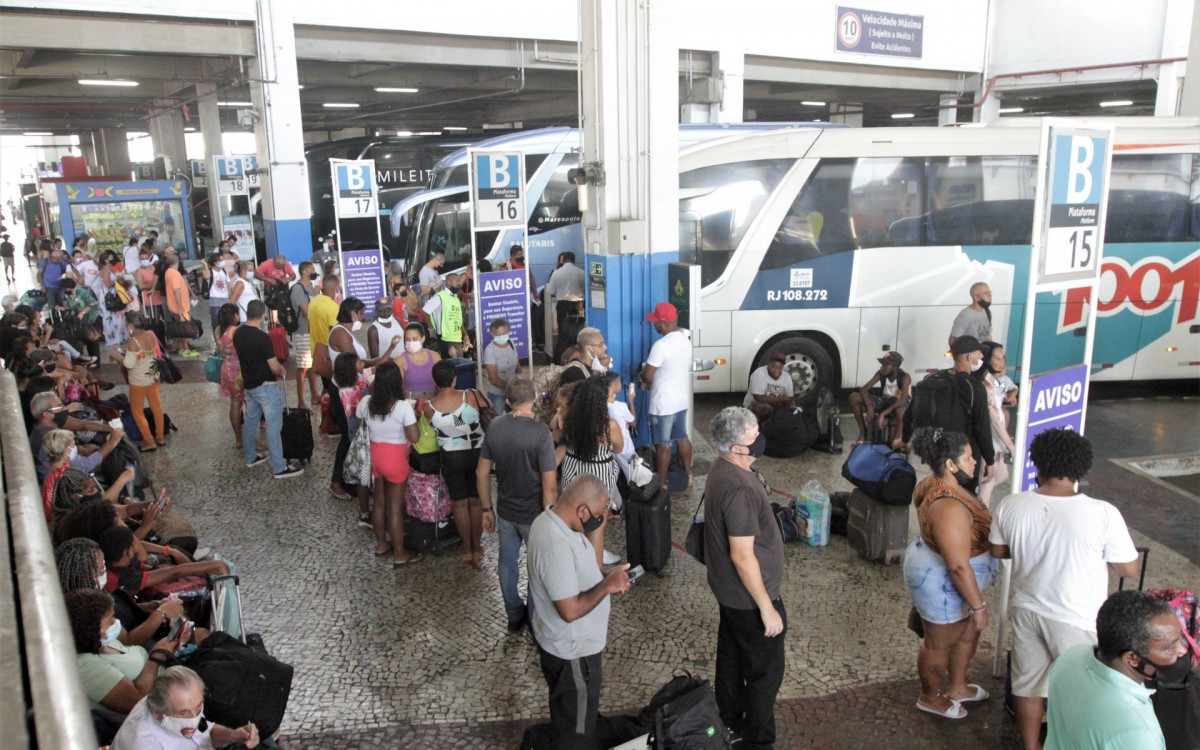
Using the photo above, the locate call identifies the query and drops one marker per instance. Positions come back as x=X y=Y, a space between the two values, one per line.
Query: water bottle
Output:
x=817 y=506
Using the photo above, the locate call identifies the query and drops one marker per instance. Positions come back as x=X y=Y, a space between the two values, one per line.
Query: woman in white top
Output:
x=385 y=329
x=342 y=339
x=994 y=363
x=216 y=274
x=392 y=427
x=243 y=290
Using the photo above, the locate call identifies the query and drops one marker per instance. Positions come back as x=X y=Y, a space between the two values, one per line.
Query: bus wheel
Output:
x=808 y=363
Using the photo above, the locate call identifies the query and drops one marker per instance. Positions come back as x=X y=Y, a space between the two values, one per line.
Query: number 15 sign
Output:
x=355 y=189
x=1074 y=200
x=497 y=188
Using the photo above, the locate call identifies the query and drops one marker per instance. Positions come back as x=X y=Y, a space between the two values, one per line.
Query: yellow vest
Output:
x=451 y=318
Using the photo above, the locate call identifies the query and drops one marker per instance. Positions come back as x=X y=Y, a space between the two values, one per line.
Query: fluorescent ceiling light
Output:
x=300 y=86
x=903 y=116
x=340 y=105
x=428 y=132
x=236 y=104
x=452 y=127
x=1011 y=110
x=813 y=104
x=189 y=130
x=396 y=90
x=106 y=82
x=136 y=134
x=34 y=133
x=1117 y=103
x=404 y=133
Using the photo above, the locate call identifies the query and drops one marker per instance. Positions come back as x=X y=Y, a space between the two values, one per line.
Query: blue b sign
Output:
x=497 y=188
x=1078 y=170
x=354 y=182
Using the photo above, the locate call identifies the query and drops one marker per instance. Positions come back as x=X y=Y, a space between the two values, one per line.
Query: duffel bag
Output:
x=790 y=431
x=884 y=474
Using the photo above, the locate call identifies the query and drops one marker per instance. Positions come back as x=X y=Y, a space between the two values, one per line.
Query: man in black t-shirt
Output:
x=743 y=551
x=8 y=252
x=264 y=399
x=522 y=450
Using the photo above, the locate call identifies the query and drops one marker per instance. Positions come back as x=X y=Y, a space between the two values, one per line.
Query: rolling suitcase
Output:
x=227 y=606
x=429 y=537
x=878 y=531
x=241 y=684
x=297 y=435
x=648 y=531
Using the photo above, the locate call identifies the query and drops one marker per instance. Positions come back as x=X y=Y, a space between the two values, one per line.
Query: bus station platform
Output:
x=420 y=657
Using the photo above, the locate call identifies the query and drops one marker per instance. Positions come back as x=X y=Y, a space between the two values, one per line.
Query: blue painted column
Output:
x=280 y=135
x=630 y=99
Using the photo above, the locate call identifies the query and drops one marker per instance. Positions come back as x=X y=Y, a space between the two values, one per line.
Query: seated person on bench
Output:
x=889 y=402
x=770 y=388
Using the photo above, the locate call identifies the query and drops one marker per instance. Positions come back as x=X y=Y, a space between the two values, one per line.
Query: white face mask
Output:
x=249 y=276
x=357 y=326
x=976 y=365
x=412 y=347
x=72 y=453
x=101 y=580
x=110 y=635
x=175 y=725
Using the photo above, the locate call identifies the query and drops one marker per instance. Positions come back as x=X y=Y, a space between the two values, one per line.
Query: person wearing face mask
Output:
x=217 y=277
x=171 y=717
x=114 y=676
x=570 y=598
x=446 y=311
x=964 y=402
x=976 y=318
x=384 y=329
x=342 y=338
x=302 y=294
x=500 y=363
x=416 y=363
x=1002 y=443
x=946 y=569
x=595 y=350
x=147 y=279
x=1063 y=545
x=743 y=550
x=243 y=290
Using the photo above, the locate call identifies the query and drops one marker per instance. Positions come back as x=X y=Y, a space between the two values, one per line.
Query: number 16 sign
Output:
x=497 y=188
x=355 y=189
x=1077 y=176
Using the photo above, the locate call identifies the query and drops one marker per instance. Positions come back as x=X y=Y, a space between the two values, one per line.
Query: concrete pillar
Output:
x=730 y=67
x=846 y=113
x=166 y=132
x=947 y=109
x=1189 y=100
x=88 y=149
x=1171 y=76
x=210 y=128
x=112 y=152
x=630 y=100
x=280 y=135
x=990 y=109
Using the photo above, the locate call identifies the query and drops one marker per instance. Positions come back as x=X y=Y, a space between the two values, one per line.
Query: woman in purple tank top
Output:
x=417 y=363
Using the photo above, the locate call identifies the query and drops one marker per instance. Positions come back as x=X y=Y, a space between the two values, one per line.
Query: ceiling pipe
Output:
x=987 y=91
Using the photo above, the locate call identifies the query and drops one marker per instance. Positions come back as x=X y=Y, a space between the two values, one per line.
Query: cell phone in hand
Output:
x=176 y=628
x=636 y=573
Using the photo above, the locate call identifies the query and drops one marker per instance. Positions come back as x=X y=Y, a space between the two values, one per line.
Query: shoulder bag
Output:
x=693 y=543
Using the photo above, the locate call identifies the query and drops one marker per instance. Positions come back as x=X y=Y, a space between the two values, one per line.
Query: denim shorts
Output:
x=932 y=589
x=667 y=428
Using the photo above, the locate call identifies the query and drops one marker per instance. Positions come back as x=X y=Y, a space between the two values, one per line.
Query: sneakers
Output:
x=291 y=471
x=610 y=558
x=364 y=520
x=202 y=553
x=189 y=353
x=259 y=459
x=85 y=360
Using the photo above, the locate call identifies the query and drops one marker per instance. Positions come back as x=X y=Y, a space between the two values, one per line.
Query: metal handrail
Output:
x=61 y=717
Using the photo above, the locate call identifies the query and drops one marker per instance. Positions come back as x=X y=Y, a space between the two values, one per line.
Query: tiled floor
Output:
x=420 y=657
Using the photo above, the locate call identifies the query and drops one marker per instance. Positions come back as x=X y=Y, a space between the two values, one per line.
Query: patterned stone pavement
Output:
x=420 y=657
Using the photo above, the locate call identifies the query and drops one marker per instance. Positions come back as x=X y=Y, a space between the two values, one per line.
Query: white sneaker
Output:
x=610 y=558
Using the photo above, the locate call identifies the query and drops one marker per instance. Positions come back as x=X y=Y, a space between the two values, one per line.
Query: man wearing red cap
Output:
x=667 y=375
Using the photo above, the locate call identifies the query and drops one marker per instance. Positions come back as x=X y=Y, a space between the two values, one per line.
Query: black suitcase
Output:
x=297 y=435
x=648 y=532
x=878 y=531
x=429 y=537
x=241 y=684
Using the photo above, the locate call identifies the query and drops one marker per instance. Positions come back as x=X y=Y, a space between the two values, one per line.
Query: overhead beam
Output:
x=97 y=33
x=70 y=66
x=782 y=70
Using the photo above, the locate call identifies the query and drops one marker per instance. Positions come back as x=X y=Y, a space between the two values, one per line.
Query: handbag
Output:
x=168 y=371
x=486 y=411
x=693 y=543
x=182 y=329
x=322 y=365
x=112 y=302
x=212 y=368
x=357 y=466
x=424 y=456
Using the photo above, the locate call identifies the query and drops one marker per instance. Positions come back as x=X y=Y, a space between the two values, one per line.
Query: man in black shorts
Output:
x=8 y=252
x=888 y=403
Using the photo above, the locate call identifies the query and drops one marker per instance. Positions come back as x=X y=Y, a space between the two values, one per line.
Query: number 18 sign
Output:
x=355 y=189
x=497 y=188
x=1077 y=190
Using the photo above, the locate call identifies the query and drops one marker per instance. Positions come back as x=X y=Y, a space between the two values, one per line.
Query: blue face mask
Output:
x=501 y=340
x=112 y=633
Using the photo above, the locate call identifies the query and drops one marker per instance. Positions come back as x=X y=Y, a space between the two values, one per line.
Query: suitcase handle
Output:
x=1145 y=553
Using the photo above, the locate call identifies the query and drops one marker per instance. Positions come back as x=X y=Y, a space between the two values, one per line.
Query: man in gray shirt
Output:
x=566 y=286
x=570 y=606
x=743 y=550
x=522 y=450
x=301 y=294
x=975 y=319
x=429 y=279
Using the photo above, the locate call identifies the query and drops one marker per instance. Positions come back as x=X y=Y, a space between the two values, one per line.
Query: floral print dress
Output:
x=231 y=369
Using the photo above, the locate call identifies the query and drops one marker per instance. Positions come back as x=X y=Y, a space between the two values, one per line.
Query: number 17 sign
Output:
x=355 y=189
x=1072 y=233
x=497 y=188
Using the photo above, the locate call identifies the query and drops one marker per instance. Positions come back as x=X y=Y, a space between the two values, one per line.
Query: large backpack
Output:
x=683 y=715
x=881 y=472
x=790 y=431
x=241 y=684
x=936 y=403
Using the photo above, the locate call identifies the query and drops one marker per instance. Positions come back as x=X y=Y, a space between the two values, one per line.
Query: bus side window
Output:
x=818 y=222
x=558 y=205
x=980 y=200
x=1149 y=198
x=887 y=192
x=1194 y=233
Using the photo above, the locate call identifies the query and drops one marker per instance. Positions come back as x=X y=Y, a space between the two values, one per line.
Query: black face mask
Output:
x=594 y=522
x=985 y=304
x=962 y=477
x=1167 y=675
x=312 y=276
x=758 y=447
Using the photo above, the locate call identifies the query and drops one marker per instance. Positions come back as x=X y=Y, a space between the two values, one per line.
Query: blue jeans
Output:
x=512 y=536
x=499 y=402
x=265 y=401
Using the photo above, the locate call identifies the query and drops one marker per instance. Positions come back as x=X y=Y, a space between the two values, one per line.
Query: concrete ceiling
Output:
x=461 y=81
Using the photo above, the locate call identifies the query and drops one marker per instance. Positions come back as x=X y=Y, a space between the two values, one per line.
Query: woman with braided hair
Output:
x=946 y=569
x=590 y=438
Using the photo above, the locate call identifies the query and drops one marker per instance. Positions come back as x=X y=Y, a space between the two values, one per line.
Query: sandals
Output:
x=413 y=560
x=956 y=711
x=980 y=695
x=147 y=448
x=386 y=552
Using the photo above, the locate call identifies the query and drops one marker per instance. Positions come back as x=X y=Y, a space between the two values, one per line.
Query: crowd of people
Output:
x=544 y=464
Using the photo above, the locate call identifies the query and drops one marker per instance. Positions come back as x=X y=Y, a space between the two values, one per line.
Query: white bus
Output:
x=837 y=246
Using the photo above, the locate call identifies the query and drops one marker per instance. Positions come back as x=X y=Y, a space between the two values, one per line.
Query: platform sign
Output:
x=1055 y=399
x=199 y=173
x=250 y=168
x=497 y=180
x=230 y=172
x=505 y=294
x=363 y=276
x=356 y=190
x=683 y=291
x=1073 y=199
